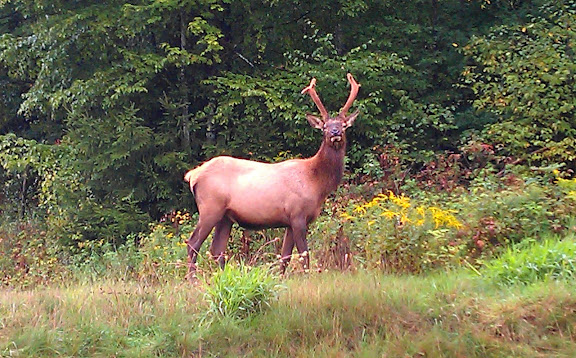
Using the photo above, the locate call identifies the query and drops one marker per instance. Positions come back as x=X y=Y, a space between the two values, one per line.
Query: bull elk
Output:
x=260 y=195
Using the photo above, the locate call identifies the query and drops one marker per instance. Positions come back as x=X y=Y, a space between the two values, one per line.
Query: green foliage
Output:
x=163 y=249
x=23 y=162
x=514 y=214
x=239 y=291
x=29 y=258
x=550 y=258
x=429 y=230
x=524 y=75
x=93 y=260
x=568 y=186
x=91 y=73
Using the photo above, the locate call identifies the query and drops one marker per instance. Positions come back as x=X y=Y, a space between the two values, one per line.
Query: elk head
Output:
x=334 y=128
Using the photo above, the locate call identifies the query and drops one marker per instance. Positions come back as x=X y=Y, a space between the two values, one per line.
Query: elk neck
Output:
x=327 y=166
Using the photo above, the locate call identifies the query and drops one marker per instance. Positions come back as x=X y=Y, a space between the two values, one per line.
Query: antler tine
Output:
x=354 y=86
x=312 y=92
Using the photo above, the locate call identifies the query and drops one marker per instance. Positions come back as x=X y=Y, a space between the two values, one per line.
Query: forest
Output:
x=459 y=175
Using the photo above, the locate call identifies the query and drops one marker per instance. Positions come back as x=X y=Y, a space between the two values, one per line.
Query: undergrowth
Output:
x=361 y=228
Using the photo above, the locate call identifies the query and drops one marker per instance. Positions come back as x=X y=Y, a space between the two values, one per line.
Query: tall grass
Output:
x=322 y=315
x=533 y=261
x=99 y=320
x=239 y=291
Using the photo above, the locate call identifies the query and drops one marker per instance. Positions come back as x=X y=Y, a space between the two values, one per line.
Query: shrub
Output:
x=239 y=291
x=529 y=262
x=28 y=257
x=163 y=249
x=496 y=216
x=392 y=232
x=96 y=259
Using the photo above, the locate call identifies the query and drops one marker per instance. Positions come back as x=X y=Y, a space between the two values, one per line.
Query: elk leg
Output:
x=201 y=232
x=287 y=247
x=220 y=240
x=299 y=236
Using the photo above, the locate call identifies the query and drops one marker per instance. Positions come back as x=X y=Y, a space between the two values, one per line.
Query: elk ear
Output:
x=349 y=121
x=315 y=121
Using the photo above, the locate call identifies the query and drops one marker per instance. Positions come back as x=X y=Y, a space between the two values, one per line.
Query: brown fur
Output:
x=260 y=195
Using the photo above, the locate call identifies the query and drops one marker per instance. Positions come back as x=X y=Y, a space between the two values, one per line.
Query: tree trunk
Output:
x=184 y=88
x=22 y=208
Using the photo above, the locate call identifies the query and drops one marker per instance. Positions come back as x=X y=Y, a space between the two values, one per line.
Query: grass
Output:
x=533 y=261
x=320 y=315
x=239 y=291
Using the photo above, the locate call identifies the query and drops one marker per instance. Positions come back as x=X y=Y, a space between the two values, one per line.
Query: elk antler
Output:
x=354 y=86
x=312 y=91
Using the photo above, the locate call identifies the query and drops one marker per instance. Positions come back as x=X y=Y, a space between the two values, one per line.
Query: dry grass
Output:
x=321 y=315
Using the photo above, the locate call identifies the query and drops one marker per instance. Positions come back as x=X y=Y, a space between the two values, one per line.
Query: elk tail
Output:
x=192 y=176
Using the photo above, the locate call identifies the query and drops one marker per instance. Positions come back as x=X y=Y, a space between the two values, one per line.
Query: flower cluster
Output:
x=567 y=185
x=401 y=209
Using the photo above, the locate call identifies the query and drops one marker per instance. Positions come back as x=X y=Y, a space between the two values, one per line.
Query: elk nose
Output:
x=335 y=131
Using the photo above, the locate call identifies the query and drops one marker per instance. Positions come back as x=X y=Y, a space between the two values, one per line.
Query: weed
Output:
x=239 y=291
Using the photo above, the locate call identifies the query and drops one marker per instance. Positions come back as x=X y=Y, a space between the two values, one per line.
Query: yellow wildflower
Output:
x=382 y=197
x=389 y=214
x=346 y=216
x=421 y=211
x=402 y=201
x=404 y=219
x=444 y=218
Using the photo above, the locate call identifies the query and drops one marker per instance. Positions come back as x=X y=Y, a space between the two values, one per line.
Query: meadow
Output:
x=334 y=314
x=483 y=272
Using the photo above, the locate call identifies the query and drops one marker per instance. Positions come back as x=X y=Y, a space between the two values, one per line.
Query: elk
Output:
x=258 y=195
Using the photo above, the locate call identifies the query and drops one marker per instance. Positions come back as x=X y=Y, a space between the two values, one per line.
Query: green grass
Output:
x=318 y=315
x=530 y=262
x=239 y=291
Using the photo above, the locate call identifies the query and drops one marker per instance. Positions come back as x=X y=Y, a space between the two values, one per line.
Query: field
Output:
x=485 y=273
x=362 y=314
x=452 y=231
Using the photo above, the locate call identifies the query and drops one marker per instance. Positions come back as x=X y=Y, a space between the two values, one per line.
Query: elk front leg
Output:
x=220 y=241
x=201 y=232
x=299 y=229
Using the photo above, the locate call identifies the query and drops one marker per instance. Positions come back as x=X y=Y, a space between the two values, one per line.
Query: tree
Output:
x=127 y=96
x=90 y=74
x=524 y=75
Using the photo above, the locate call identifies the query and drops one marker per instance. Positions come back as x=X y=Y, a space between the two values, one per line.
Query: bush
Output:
x=529 y=262
x=28 y=257
x=435 y=229
x=163 y=249
x=497 y=214
x=239 y=291
x=392 y=232
x=96 y=259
